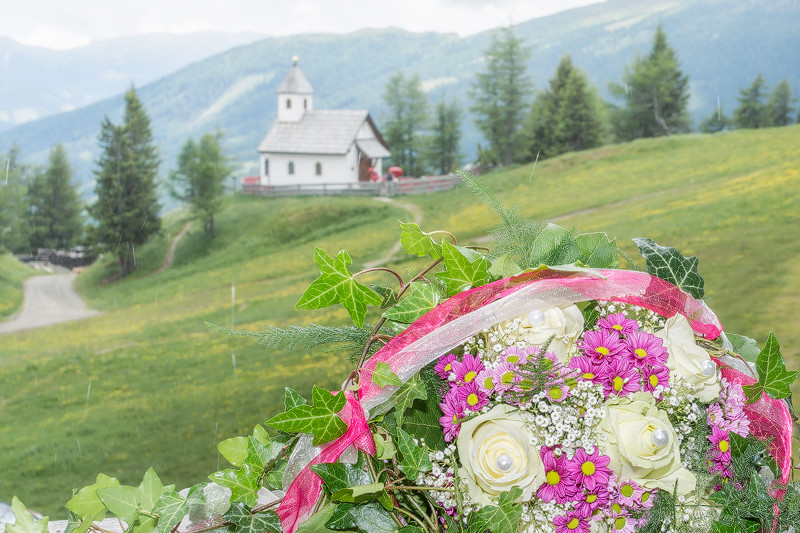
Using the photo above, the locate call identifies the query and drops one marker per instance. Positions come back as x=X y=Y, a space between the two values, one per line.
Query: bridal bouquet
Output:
x=539 y=388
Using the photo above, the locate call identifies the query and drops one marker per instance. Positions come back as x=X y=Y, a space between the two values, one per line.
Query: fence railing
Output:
x=382 y=188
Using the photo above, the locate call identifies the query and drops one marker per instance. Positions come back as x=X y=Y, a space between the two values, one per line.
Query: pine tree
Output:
x=752 y=111
x=500 y=96
x=54 y=212
x=407 y=123
x=200 y=178
x=715 y=122
x=779 y=107
x=444 y=154
x=566 y=116
x=14 y=176
x=126 y=209
x=655 y=93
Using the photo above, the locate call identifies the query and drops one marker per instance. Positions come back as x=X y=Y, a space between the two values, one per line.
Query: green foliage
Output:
x=170 y=508
x=403 y=399
x=744 y=346
x=408 y=119
x=247 y=522
x=126 y=209
x=463 y=269
x=423 y=298
x=86 y=504
x=668 y=264
x=413 y=456
x=752 y=111
x=715 y=122
x=443 y=148
x=779 y=106
x=417 y=242
x=200 y=178
x=12 y=274
x=384 y=376
x=319 y=419
x=501 y=519
x=24 y=522
x=337 y=285
x=655 y=93
x=500 y=94
x=565 y=117
x=14 y=179
x=772 y=375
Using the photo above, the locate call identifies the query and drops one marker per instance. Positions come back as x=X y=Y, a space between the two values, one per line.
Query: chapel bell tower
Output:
x=295 y=95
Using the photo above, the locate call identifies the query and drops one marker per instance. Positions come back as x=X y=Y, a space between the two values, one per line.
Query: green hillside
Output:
x=147 y=384
x=12 y=274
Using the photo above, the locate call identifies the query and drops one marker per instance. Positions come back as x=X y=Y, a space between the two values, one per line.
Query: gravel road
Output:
x=48 y=300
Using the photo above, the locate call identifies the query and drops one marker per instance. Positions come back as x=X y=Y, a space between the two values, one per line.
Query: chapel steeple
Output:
x=295 y=95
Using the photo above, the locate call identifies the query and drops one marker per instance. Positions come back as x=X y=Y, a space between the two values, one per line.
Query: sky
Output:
x=63 y=24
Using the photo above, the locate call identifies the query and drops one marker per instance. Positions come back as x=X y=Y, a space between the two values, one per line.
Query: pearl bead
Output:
x=660 y=437
x=536 y=317
x=504 y=462
x=708 y=368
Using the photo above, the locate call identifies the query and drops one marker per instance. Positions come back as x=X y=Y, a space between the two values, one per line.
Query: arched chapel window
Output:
x=318 y=169
x=291 y=167
x=288 y=103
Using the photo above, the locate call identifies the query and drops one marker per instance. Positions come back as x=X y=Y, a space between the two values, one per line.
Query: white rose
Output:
x=563 y=324
x=496 y=455
x=689 y=361
x=642 y=444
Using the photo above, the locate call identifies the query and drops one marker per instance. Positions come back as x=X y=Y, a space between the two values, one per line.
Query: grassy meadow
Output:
x=12 y=274
x=147 y=384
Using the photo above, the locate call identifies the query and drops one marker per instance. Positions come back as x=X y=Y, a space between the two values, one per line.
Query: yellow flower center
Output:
x=469 y=376
x=488 y=383
x=640 y=353
x=588 y=375
x=618 y=383
x=591 y=498
x=645 y=497
x=653 y=380
x=626 y=490
x=602 y=350
x=454 y=419
x=616 y=507
x=724 y=446
x=617 y=327
x=588 y=468
x=473 y=399
x=573 y=524
x=555 y=393
x=512 y=359
x=553 y=477
x=620 y=523
x=448 y=367
x=507 y=377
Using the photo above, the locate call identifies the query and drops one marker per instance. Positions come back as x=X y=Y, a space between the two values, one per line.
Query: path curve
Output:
x=48 y=300
x=172 y=246
x=416 y=214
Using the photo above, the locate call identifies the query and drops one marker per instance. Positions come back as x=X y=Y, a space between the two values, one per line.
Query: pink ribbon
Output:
x=304 y=491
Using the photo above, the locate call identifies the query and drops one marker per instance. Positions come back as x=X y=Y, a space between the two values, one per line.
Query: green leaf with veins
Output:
x=417 y=242
x=388 y=296
x=668 y=264
x=24 y=522
x=337 y=285
x=86 y=503
x=744 y=346
x=338 y=476
x=597 y=250
x=504 y=267
x=293 y=399
x=170 y=508
x=121 y=501
x=554 y=246
x=319 y=419
x=773 y=377
x=464 y=269
x=384 y=376
x=422 y=298
x=414 y=456
x=413 y=389
x=316 y=522
x=234 y=450
x=501 y=519
x=242 y=482
x=247 y=522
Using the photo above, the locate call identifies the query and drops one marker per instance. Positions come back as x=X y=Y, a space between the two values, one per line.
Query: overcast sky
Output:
x=71 y=23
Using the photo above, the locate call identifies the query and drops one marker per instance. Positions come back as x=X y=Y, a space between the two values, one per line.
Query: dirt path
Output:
x=416 y=214
x=48 y=300
x=172 y=246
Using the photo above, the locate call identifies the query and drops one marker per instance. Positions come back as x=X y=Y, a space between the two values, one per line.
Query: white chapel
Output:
x=307 y=145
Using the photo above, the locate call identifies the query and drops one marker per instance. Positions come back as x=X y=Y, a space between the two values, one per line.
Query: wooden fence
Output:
x=383 y=188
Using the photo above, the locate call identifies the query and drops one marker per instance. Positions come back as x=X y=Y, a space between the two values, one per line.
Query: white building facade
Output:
x=308 y=146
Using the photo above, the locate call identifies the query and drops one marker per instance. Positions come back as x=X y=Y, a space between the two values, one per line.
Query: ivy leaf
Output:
x=501 y=519
x=422 y=298
x=242 y=482
x=122 y=501
x=388 y=295
x=293 y=399
x=234 y=450
x=341 y=517
x=414 y=456
x=87 y=505
x=24 y=522
x=170 y=508
x=668 y=264
x=358 y=493
x=337 y=285
x=246 y=522
x=597 y=250
x=504 y=267
x=554 y=246
x=319 y=419
x=372 y=518
x=772 y=375
x=383 y=376
x=338 y=476
x=744 y=346
x=316 y=522
x=464 y=269
x=413 y=389
x=422 y=422
x=417 y=242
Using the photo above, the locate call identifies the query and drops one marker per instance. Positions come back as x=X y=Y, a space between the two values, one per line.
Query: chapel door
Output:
x=364 y=163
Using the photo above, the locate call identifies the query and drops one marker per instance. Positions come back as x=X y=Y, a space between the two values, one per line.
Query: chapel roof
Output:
x=295 y=82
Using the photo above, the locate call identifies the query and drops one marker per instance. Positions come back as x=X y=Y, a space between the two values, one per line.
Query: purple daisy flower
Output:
x=558 y=485
x=621 y=378
x=630 y=494
x=505 y=376
x=471 y=396
x=468 y=369
x=588 y=368
x=644 y=349
x=487 y=381
x=655 y=376
x=572 y=522
x=589 y=470
x=619 y=323
x=588 y=501
x=624 y=523
x=518 y=356
x=720 y=451
x=647 y=499
x=453 y=410
x=445 y=365
x=602 y=345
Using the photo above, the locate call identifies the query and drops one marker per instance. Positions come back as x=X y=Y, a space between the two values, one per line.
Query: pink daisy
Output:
x=623 y=523
x=467 y=369
x=588 y=368
x=720 y=451
x=602 y=345
x=647 y=499
x=619 y=323
x=487 y=381
x=644 y=349
x=558 y=484
x=589 y=470
x=557 y=393
x=655 y=376
x=445 y=365
x=588 y=501
x=630 y=494
x=505 y=376
x=572 y=522
x=518 y=356
x=453 y=410
x=471 y=396
x=621 y=378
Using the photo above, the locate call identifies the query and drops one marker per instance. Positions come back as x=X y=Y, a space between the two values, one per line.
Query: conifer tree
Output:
x=126 y=209
x=200 y=178
x=752 y=111
x=715 y=122
x=655 y=93
x=500 y=96
x=405 y=129
x=566 y=116
x=444 y=154
x=779 y=107
x=14 y=176
x=54 y=212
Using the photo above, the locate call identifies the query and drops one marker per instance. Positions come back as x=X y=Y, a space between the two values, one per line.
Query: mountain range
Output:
x=721 y=44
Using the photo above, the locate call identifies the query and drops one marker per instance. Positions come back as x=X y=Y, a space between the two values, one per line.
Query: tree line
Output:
x=41 y=207
x=522 y=125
